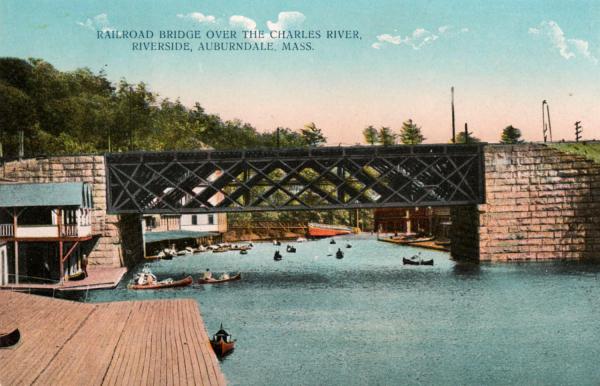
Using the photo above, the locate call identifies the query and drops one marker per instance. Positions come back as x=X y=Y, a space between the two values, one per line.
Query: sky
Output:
x=503 y=58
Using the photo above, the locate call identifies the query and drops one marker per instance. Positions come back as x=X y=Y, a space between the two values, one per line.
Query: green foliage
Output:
x=313 y=136
x=460 y=138
x=589 y=150
x=511 y=135
x=386 y=136
x=82 y=112
x=371 y=135
x=410 y=134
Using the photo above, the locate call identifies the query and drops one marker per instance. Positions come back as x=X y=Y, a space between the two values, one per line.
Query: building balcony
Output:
x=44 y=231
x=6 y=230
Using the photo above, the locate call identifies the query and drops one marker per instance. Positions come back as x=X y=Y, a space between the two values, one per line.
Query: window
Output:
x=211 y=219
x=194 y=220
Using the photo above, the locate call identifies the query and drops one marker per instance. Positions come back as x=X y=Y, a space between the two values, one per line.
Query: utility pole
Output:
x=453 y=126
x=466 y=133
x=578 y=130
x=546 y=130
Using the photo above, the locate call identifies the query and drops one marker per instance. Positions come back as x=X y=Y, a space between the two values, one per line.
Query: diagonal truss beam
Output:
x=293 y=179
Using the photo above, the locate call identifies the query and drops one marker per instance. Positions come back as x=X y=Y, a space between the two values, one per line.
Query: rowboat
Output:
x=163 y=284
x=10 y=338
x=326 y=230
x=222 y=343
x=75 y=276
x=339 y=254
x=219 y=281
x=406 y=261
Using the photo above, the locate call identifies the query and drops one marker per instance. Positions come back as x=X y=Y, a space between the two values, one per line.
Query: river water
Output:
x=312 y=319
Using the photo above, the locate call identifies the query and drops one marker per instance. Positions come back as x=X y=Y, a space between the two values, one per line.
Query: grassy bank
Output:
x=589 y=150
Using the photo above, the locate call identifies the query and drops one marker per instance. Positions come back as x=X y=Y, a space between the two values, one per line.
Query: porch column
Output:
x=60 y=245
x=16 y=246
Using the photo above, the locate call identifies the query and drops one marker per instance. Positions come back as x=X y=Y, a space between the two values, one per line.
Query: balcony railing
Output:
x=6 y=230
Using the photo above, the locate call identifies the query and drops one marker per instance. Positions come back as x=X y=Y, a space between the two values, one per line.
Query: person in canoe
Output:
x=339 y=254
x=207 y=274
x=145 y=277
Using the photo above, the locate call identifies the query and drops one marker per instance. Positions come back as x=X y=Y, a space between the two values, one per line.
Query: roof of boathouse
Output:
x=46 y=194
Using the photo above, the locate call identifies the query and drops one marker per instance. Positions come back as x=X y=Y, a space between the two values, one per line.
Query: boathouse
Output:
x=46 y=229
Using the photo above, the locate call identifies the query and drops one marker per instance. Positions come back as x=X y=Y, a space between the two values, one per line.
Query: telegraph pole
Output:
x=578 y=130
x=453 y=125
x=466 y=133
x=544 y=128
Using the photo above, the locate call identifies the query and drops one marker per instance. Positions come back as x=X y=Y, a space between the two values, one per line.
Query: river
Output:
x=312 y=319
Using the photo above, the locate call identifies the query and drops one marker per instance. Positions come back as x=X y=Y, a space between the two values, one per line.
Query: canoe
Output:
x=76 y=276
x=326 y=230
x=177 y=283
x=222 y=343
x=219 y=281
x=10 y=338
x=222 y=348
x=406 y=261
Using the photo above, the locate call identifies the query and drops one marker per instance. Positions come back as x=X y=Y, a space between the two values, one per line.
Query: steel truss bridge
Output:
x=295 y=179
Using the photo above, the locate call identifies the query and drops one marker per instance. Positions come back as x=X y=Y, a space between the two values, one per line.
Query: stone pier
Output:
x=119 y=239
x=541 y=203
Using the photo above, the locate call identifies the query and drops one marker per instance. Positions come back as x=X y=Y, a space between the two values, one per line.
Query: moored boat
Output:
x=75 y=276
x=222 y=343
x=169 y=283
x=10 y=338
x=326 y=230
x=219 y=281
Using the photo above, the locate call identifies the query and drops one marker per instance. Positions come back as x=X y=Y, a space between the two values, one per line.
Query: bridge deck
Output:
x=143 y=342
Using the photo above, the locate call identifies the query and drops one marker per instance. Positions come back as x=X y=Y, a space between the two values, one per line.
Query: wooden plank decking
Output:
x=155 y=342
x=99 y=278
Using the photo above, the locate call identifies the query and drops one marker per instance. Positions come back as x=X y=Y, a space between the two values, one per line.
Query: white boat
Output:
x=300 y=240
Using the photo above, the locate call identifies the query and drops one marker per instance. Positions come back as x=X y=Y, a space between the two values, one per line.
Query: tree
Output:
x=410 y=134
x=312 y=135
x=386 y=136
x=371 y=135
x=460 y=138
x=511 y=135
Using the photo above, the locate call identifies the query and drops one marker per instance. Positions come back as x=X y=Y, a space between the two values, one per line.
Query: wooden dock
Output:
x=155 y=342
x=99 y=278
x=419 y=244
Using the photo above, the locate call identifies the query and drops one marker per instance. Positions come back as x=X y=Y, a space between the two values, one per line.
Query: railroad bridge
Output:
x=295 y=179
x=509 y=202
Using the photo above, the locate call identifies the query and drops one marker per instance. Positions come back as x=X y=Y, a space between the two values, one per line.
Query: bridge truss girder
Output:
x=294 y=179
